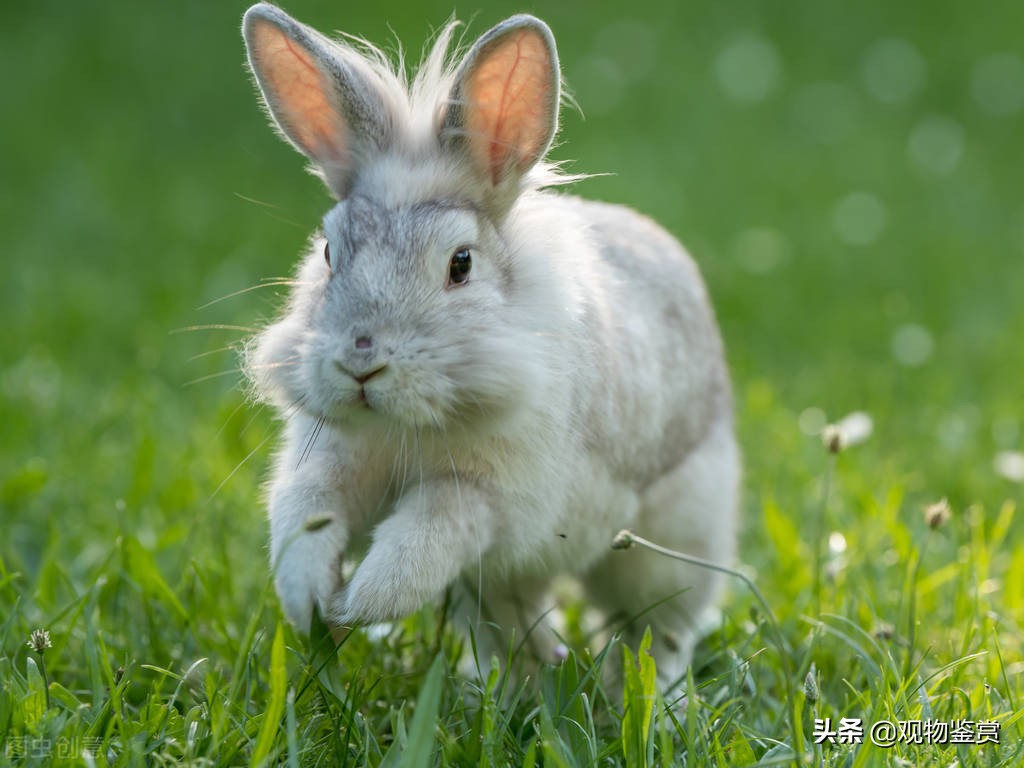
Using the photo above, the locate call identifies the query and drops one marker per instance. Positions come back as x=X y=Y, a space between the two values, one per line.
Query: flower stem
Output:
x=819 y=533
x=626 y=538
x=46 y=680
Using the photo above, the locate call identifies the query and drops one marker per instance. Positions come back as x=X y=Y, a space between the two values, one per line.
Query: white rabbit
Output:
x=492 y=378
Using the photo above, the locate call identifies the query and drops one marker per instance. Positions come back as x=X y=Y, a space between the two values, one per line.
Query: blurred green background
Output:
x=847 y=175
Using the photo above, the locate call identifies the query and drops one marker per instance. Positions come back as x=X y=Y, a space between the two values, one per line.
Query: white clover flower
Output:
x=39 y=640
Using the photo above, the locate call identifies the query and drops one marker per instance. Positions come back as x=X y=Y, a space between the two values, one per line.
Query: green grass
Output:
x=138 y=182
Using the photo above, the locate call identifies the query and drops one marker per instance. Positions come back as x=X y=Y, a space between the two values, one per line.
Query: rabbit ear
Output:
x=504 y=104
x=320 y=94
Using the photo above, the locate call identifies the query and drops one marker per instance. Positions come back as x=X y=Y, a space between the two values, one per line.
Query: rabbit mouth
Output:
x=406 y=409
x=353 y=413
x=357 y=401
x=358 y=405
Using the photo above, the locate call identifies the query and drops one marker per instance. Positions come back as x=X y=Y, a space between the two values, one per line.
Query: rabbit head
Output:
x=418 y=301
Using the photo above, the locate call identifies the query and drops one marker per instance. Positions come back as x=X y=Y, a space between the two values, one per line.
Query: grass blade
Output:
x=420 y=747
x=275 y=707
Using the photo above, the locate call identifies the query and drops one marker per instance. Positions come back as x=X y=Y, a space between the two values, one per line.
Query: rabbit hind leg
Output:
x=516 y=617
x=691 y=509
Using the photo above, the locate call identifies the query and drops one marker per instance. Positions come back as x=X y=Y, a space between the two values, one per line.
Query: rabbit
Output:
x=481 y=379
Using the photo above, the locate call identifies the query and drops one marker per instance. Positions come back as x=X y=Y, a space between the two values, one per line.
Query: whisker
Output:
x=305 y=446
x=283 y=280
x=214 y=327
x=476 y=527
x=279 y=364
x=210 y=376
x=323 y=423
x=246 y=290
x=317 y=429
x=308 y=448
x=391 y=433
x=227 y=421
x=252 y=420
x=289 y=222
x=419 y=455
x=254 y=201
x=292 y=409
x=407 y=458
x=239 y=466
x=393 y=472
x=271 y=207
x=228 y=348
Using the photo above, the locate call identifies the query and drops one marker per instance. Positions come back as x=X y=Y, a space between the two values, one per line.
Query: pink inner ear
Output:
x=298 y=94
x=509 y=103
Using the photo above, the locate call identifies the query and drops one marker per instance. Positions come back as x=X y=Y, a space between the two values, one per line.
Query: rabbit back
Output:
x=664 y=381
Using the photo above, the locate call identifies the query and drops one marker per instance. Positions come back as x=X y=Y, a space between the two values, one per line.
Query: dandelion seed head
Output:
x=937 y=514
x=833 y=439
x=853 y=429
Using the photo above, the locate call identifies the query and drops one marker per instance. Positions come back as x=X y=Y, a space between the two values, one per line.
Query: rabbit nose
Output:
x=363 y=342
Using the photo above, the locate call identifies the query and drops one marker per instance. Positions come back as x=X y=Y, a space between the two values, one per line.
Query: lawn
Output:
x=846 y=175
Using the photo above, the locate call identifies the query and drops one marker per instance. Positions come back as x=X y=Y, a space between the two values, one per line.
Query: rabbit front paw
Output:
x=436 y=530
x=307 y=572
x=390 y=583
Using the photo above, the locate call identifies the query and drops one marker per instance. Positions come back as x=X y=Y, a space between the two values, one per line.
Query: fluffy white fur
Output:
x=511 y=425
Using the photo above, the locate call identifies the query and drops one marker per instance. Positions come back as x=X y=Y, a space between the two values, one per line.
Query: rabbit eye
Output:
x=459 y=266
x=327 y=254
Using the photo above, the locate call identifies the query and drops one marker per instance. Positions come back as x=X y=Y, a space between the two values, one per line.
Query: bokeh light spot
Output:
x=749 y=68
x=893 y=71
x=859 y=218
